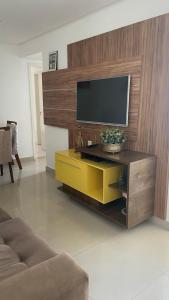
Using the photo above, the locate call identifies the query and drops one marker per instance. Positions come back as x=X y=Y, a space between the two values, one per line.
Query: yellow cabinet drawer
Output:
x=90 y=178
x=69 y=171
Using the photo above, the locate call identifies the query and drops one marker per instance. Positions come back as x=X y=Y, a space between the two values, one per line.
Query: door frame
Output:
x=33 y=68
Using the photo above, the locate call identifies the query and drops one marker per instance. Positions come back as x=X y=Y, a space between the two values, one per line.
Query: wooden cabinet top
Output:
x=125 y=157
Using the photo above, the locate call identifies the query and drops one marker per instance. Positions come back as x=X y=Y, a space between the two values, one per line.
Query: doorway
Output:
x=36 y=103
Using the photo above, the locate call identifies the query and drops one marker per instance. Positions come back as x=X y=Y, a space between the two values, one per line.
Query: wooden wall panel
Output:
x=148 y=39
x=117 y=44
x=65 y=99
x=57 y=116
x=60 y=95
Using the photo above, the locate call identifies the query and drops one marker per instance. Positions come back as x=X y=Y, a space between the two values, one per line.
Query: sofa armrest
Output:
x=4 y=216
x=58 y=278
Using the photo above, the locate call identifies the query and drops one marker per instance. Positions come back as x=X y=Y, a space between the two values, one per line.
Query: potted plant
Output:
x=112 y=139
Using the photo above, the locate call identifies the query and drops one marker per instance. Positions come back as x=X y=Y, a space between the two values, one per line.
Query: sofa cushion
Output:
x=19 y=237
x=7 y=256
x=9 y=262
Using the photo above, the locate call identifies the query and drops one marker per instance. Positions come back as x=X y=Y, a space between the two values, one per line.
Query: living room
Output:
x=91 y=43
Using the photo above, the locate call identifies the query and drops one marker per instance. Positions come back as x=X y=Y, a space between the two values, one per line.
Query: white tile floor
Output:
x=122 y=265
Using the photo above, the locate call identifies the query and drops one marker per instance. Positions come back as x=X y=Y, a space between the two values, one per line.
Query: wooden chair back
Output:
x=5 y=146
x=11 y=122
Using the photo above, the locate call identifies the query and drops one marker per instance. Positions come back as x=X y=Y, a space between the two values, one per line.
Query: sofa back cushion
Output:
x=9 y=262
x=19 y=237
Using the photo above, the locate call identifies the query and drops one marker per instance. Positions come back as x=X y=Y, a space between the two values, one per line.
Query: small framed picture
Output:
x=53 y=60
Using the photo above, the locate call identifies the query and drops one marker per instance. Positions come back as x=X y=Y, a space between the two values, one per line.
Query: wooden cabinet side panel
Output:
x=141 y=191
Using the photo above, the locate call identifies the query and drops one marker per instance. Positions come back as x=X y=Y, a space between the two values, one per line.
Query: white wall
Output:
x=56 y=139
x=14 y=97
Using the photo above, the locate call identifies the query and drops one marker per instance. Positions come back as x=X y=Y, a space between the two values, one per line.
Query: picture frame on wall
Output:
x=53 y=60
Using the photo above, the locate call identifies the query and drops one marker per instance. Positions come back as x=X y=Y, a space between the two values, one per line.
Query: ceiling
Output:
x=22 y=20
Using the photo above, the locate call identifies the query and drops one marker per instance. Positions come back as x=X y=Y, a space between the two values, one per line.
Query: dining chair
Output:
x=5 y=150
x=13 y=128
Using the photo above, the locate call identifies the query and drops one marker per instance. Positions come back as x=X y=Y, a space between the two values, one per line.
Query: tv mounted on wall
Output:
x=104 y=101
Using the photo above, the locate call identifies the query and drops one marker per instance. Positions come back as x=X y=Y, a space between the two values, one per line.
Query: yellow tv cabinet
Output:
x=89 y=177
x=92 y=177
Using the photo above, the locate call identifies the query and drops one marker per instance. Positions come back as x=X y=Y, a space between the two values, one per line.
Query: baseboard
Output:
x=162 y=223
x=30 y=158
x=50 y=170
x=24 y=159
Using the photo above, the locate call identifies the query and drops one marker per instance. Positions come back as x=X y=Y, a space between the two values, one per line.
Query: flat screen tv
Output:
x=104 y=101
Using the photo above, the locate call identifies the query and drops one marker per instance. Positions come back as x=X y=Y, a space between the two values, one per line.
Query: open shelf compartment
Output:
x=94 y=183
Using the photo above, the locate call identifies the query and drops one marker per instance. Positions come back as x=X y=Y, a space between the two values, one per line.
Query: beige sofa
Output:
x=30 y=270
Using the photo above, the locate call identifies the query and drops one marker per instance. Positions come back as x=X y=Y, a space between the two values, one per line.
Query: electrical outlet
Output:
x=89 y=143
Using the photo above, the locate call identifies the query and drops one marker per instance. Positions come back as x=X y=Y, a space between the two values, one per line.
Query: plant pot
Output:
x=112 y=148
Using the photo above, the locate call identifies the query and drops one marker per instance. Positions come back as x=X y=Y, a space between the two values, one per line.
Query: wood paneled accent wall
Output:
x=148 y=40
x=60 y=94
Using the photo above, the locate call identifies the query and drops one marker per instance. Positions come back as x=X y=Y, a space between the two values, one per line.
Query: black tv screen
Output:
x=104 y=101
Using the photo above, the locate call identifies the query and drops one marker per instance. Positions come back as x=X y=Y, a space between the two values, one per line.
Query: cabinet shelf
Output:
x=111 y=211
x=117 y=185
